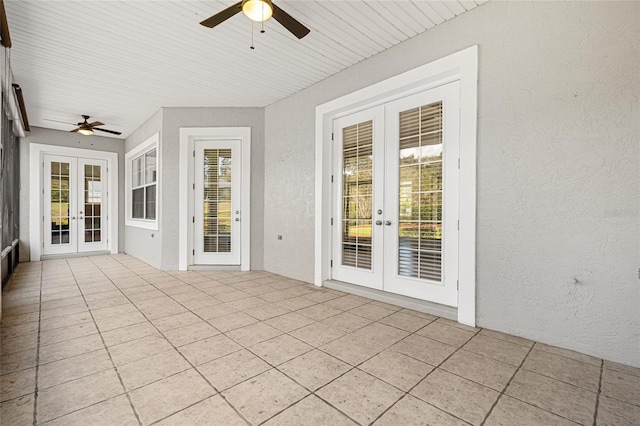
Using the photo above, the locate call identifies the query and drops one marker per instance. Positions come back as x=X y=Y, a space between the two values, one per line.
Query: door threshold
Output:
x=71 y=255
x=214 y=268
x=424 y=306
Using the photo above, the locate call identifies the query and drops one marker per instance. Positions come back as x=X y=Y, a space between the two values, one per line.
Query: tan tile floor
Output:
x=112 y=341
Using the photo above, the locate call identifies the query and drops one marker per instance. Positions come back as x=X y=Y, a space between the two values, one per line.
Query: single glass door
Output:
x=92 y=235
x=59 y=208
x=217 y=202
x=358 y=184
x=421 y=196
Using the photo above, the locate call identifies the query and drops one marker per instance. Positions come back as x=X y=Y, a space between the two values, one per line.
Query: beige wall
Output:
x=558 y=172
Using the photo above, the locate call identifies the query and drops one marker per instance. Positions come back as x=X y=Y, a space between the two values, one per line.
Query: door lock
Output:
x=387 y=222
x=378 y=222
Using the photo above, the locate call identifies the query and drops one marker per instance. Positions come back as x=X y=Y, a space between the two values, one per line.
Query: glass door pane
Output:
x=216 y=199
x=420 y=193
x=357 y=195
x=60 y=202
x=217 y=209
x=92 y=193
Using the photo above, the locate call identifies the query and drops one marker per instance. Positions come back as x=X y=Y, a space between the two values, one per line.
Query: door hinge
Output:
x=194 y=186
x=331 y=263
x=193 y=219
x=458 y=163
x=331 y=178
x=331 y=136
x=331 y=221
x=458 y=224
x=193 y=252
x=194 y=153
x=458 y=284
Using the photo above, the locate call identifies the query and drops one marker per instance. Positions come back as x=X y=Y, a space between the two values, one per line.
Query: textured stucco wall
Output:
x=146 y=244
x=71 y=140
x=558 y=170
x=175 y=118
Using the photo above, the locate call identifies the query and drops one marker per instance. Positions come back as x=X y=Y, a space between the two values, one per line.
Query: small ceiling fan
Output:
x=86 y=128
x=259 y=11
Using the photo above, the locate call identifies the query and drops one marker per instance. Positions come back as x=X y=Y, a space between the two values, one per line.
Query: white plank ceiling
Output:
x=120 y=61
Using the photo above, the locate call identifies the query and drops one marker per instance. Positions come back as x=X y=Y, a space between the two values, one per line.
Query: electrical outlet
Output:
x=279 y=237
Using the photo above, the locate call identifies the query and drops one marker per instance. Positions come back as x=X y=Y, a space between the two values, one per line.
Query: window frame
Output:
x=149 y=145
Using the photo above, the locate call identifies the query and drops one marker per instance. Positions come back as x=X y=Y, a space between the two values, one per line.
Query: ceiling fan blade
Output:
x=96 y=123
x=108 y=131
x=289 y=22
x=74 y=130
x=222 y=16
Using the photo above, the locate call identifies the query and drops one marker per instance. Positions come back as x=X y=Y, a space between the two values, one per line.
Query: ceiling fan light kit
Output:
x=257 y=10
x=85 y=130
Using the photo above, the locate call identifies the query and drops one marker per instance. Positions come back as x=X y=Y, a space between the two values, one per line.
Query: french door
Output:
x=75 y=205
x=217 y=212
x=396 y=183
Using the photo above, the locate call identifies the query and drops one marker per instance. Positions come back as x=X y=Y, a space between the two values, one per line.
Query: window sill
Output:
x=151 y=225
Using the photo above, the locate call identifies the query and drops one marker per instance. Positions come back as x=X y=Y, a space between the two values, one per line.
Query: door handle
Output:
x=378 y=222
x=73 y=217
x=237 y=219
x=387 y=222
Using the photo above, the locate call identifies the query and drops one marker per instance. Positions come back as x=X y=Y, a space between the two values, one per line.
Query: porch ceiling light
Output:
x=257 y=10
x=85 y=130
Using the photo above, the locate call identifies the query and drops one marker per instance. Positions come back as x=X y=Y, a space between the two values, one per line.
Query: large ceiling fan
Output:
x=86 y=128
x=259 y=11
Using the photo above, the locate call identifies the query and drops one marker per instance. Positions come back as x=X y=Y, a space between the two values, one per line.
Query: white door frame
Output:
x=188 y=136
x=460 y=66
x=36 y=185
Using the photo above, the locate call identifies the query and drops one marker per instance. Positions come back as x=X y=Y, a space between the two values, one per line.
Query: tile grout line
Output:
x=595 y=414
x=503 y=392
x=35 y=392
x=352 y=367
x=408 y=392
x=176 y=349
x=506 y=386
x=274 y=367
x=106 y=347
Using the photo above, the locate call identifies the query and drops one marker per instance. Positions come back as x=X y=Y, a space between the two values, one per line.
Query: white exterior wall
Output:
x=558 y=172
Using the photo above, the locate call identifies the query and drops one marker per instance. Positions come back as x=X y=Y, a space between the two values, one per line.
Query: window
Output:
x=142 y=184
x=143 y=190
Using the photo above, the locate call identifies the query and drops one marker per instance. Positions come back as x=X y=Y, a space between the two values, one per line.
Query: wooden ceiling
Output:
x=120 y=61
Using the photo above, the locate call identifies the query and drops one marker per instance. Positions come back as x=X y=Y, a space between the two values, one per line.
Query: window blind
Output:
x=420 y=206
x=357 y=195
